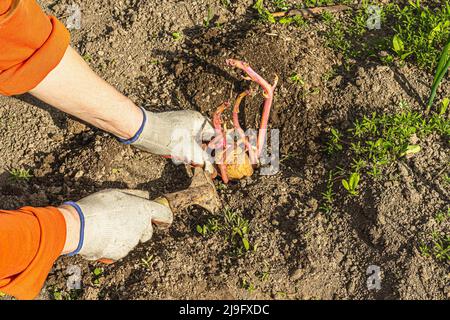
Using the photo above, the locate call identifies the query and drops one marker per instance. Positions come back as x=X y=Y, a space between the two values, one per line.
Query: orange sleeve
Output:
x=31 y=45
x=31 y=239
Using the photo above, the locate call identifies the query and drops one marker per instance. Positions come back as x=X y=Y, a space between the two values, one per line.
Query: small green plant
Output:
x=444 y=106
x=263 y=13
x=297 y=21
x=281 y=5
x=420 y=31
x=297 y=79
x=177 y=35
x=399 y=47
x=226 y=3
x=328 y=195
x=238 y=229
x=352 y=184
x=87 y=57
x=442 y=216
x=211 y=226
x=334 y=141
x=375 y=141
x=442 y=68
x=437 y=245
x=439 y=248
x=328 y=75
x=411 y=31
x=145 y=262
x=209 y=17
x=56 y=293
x=97 y=273
x=221 y=186
x=264 y=275
x=247 y=285
x=20 y=174
x=447 y=178
x=232 y=226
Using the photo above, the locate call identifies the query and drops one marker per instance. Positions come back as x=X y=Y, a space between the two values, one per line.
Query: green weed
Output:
x=420 y=32
x=443 y=66
x=412 y=32
x=442 y=216
x=376 y=141
x=446 y=179
x=225 y=3
x=177 y=36
x=247 y=285
x=351 y=185
x=297 y=79
x=438 y=247
x=209 y=17
x=234 y=228
x=334 y=142
x=146 y=262
x=97 y=273
x=264 y=14
x=87 y=57
x=328 y=195
x=297 y=21
x=20 y=174
x=59 y=294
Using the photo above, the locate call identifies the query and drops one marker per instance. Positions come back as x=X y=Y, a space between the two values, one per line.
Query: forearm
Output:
x=74 y=88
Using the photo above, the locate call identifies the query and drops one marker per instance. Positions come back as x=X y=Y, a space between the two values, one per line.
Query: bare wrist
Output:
x=72 y=228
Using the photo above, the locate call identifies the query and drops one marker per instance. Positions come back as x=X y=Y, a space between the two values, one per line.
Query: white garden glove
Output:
x=177 y=134
x=115 y=221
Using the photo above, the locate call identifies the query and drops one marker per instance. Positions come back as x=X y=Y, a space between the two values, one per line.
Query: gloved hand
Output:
x=178 y=134
x=115 y=221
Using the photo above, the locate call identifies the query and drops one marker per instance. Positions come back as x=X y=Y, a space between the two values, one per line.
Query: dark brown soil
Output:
x=303 y=253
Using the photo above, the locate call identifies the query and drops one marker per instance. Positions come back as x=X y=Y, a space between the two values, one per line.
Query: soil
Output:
x=304 y=253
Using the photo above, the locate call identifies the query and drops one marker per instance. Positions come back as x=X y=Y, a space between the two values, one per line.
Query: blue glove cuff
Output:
x=138 y=133
x=81 y=215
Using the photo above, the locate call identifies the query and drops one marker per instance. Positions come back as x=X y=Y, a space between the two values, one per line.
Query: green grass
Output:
x=446 y=179
x=438 y=247
x=265 y=15
x=442 y=216
x=97 y=273
x=412 y=32
x=225 y=3
x=146 y=262
x=176 y=36
x=209 y=16
x=20 y=175
x=373 y=142
x=351 y=185
x=56 y=293
x=328 y=195
x=441 y=70
x=87 y=57
x=247 y=285
x=422 y=31
x=232 y=226
x=297 y=79
x=438 y=243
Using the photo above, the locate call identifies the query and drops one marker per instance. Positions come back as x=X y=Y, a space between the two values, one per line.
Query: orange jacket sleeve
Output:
x=31 y=45
x=31 y=239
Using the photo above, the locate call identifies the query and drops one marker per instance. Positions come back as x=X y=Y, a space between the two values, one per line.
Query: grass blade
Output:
x=443 y=66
